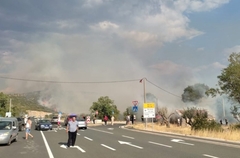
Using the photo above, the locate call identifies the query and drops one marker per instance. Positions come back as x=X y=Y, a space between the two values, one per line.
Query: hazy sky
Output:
x=173 y=43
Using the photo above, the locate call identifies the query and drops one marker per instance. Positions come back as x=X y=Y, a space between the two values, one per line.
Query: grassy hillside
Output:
x=28 y=101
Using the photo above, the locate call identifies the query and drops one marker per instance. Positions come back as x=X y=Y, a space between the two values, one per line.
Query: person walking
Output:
x=59 y=122
x=142 y=119
x=28 y=128
x=105 y=119
x=94 y=118
x=72 y=129
x=112 y=120
x=132 y=118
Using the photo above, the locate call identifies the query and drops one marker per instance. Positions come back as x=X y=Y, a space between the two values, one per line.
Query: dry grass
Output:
x=227 y=134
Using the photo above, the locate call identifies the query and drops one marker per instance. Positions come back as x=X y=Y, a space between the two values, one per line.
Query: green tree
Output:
x=128 y=111
x=194 y=93
x=229 y=83
x=105 y=106
x=193 y=113
x=163 y=112
x=3 y=104
x=235 y=112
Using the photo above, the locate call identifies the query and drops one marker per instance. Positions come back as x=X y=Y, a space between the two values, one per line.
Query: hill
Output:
x=27 y=101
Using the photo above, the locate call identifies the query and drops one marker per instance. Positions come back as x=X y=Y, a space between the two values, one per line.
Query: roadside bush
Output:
x=205 y=124
x=235 y=127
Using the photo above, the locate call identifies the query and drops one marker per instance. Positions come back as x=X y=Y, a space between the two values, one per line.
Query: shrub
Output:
x=205 y=124
x=235 y=127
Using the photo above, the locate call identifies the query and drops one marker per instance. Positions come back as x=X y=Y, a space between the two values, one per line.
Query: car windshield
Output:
x=5 y=125
x=44 y=121
x=54 y=117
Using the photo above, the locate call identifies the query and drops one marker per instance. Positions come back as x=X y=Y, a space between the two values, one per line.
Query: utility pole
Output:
x=10 y=106
x=144 y=94
x=223 y=108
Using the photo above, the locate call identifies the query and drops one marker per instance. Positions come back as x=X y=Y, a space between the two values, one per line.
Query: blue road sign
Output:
x=135 y=108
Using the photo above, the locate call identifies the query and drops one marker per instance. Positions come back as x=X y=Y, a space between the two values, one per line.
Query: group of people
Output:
x=72 y=128
x=105 y=119
x=226 y=122
x=131 y=118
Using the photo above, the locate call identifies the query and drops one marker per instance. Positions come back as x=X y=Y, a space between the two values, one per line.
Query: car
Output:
x=54 y=120
x=43 y=125
x=8 y=130
x=82 y=123
x=20 y=123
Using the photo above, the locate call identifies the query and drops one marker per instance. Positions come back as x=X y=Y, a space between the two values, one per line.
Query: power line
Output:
x=67 y=82
x=163 y=89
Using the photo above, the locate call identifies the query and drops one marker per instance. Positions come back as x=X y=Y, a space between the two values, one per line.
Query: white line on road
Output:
x=78 y=134
x=180 y=141
x=209 y=156
x=101 y=131
x=47 y=146
x=83 y=151
x=129 y=143
x=159 y=144
x=88 y=138
x=108 y=147
x=128 y=137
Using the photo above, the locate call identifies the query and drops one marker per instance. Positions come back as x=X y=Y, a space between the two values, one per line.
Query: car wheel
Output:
x=16 y=139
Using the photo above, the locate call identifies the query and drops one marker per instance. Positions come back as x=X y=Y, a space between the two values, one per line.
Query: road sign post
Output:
x=148 y=111
x=135 y=106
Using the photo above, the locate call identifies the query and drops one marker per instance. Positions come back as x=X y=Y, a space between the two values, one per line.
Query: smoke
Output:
x=79 y=46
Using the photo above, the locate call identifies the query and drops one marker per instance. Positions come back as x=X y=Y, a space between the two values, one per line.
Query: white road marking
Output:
x=108 y=147
x=209 y=156
x=160 y=144
x=65 y=147
x=78 y=134
x=47 y=146
x=101 y=131
x=83 y=151
x=110 y=128
x=128 y=143
x=128 y=137
x=88 y=138
x=180 y=141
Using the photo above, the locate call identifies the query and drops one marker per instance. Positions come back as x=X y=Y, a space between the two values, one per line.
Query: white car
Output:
x=8 y=130
x=82 y=123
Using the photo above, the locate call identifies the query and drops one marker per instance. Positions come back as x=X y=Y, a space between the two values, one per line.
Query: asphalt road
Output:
x=112 y=141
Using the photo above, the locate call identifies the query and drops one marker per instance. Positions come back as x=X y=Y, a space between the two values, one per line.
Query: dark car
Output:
x=20 y=123
x=43 y=125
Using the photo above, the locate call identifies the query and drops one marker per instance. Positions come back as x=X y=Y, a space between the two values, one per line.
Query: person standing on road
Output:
x=59 y=122
x=28 y=128
x=72 y=129
x=105 y=119
x=132 y=118
x=112 y=120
